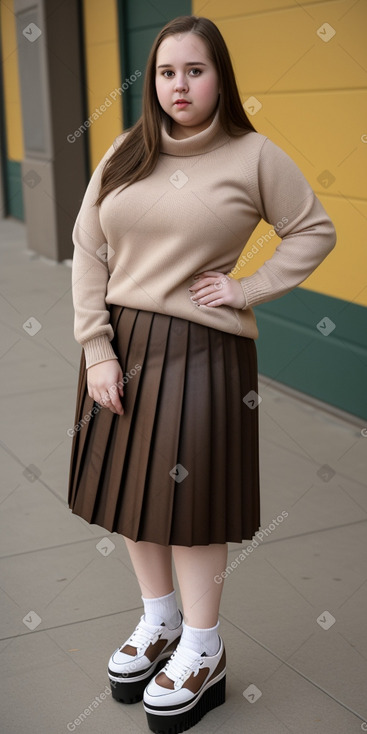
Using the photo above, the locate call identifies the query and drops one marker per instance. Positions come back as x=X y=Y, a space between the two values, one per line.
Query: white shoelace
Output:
x=143 y=635
x=181 y=664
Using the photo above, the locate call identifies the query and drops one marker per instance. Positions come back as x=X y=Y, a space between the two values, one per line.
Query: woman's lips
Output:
x=181 y=103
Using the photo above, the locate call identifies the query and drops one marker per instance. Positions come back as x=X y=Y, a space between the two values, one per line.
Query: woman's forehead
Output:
x=180 y=45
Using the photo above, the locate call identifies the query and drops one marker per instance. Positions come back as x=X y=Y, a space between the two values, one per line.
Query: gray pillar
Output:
x=53 y=169
x=2 y=193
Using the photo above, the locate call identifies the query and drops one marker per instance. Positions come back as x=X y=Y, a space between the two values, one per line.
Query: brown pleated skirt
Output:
x=181 y=466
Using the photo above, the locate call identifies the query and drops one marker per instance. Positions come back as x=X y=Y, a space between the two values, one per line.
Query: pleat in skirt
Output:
x=181 y=465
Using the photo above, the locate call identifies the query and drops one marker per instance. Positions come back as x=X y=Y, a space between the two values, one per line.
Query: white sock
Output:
x=162 y=609
x=201 y=640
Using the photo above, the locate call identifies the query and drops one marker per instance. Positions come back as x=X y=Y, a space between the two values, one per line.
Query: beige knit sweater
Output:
x=195 y=212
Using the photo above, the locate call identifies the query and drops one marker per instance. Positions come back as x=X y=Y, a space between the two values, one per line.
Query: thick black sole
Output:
x=179 y=722
x=132 y=692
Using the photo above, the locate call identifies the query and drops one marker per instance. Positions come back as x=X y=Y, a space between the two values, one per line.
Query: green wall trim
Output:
x=293 y=351
x=139 y=24
x=13 y=189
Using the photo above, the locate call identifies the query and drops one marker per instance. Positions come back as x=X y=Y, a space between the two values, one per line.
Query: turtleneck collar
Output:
x=212 y=137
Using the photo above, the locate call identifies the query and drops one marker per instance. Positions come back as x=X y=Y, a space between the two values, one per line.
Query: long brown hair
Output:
x=137 y=155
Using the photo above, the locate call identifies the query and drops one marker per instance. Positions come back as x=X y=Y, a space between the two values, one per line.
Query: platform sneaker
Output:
x=189 y=685
x=145 y=652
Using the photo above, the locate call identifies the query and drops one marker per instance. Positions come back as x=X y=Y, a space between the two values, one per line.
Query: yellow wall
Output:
x=13 y=112
x=102 y=73
x=313 y=99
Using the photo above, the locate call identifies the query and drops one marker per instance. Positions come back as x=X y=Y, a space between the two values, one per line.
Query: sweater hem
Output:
x=98 y=350
x=254 y=289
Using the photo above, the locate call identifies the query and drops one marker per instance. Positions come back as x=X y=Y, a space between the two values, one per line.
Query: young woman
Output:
x=165 y=443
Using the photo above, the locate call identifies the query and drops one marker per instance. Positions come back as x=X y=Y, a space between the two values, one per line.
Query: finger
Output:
x=209 y=290
x=218 y=281
x=204 y=283
x=115 y=411
x=114 y=401
x=104 y=400
x=116 y=389
x=198 y=283
x=111 y=399
x=201 y=291
x=116 y=405
x=210 y=301
x=110 y=406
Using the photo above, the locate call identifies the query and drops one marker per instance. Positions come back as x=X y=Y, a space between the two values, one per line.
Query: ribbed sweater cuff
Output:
x=254 y=290
x=98 y=350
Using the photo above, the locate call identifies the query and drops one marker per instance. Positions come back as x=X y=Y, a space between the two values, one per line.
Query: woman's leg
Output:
x=157 y=634
x=197 y=567
x=153 y=567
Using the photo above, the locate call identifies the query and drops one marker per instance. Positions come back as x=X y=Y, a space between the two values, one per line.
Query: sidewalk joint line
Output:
x=294 y=669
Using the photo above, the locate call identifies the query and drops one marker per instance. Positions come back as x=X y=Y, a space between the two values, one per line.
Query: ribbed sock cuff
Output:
x=162 y=609
x=201 y=640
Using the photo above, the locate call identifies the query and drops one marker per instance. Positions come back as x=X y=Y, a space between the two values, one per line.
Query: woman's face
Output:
x=185 y=72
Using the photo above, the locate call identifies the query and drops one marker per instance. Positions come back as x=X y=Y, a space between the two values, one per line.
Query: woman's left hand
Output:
x=213 y=288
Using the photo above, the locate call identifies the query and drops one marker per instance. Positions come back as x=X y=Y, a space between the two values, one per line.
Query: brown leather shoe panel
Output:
x=129 y=650
x=195 y=682
x=221 y=665
x=153 y=651
x=162 y=680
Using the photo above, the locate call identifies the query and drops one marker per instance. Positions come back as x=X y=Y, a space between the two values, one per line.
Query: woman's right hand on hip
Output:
x=105 y=386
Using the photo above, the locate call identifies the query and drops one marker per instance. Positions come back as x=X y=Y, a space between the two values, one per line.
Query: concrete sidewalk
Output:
x=293 y=613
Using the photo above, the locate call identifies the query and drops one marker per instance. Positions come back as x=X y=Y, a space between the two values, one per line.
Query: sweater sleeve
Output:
x=92 y=328
x=285 y=200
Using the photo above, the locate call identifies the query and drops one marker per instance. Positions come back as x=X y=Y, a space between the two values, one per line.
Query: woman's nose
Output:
x=181 y=83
